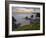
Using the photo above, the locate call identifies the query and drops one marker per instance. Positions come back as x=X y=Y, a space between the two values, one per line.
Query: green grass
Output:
x=33 y=26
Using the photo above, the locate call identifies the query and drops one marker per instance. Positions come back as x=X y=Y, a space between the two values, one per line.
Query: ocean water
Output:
x=21 y=19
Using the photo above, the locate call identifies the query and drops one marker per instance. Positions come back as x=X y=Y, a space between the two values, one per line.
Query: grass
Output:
x=33 y=26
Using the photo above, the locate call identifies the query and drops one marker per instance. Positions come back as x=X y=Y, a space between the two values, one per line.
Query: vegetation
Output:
x=33 y=26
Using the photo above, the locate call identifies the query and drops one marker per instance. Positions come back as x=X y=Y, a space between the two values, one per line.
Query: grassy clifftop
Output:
x=33 y=26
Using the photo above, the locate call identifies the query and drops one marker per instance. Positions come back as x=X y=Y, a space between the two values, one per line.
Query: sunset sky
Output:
x=25 y=10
